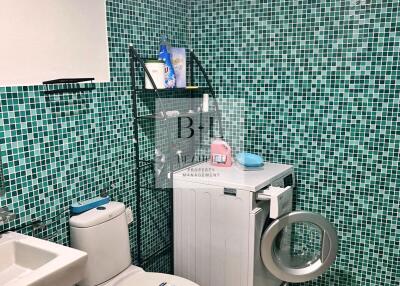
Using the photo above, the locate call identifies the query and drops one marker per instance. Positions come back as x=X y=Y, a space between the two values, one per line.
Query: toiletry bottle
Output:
x=165 y=56
x=221 y=153
x=205 y=102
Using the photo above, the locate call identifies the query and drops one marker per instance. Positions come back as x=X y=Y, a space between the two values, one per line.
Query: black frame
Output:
x=135 y=59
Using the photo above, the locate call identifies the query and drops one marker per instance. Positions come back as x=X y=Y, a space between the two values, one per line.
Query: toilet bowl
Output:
x=103 y=234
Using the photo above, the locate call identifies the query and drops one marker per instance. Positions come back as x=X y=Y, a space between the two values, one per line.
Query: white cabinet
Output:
x=211 y=230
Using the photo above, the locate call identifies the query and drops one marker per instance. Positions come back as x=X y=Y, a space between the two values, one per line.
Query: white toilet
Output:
x=103 y=234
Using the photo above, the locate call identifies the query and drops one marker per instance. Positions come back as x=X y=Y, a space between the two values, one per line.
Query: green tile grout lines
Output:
x=318 y=82
x=310 y=83
x=51 y=159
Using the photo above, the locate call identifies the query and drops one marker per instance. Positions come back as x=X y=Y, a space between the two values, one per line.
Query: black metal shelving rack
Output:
x=138 y=68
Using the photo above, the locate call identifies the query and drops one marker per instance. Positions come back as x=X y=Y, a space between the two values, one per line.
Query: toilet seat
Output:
x=153 y=279
x=135 y=276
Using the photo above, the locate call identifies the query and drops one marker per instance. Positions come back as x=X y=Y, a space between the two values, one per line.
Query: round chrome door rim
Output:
x=309 y=272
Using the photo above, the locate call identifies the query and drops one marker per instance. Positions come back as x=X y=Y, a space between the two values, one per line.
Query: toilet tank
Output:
x=103 y=234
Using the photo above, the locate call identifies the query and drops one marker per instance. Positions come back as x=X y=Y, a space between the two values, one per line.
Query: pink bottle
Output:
x=221 y=153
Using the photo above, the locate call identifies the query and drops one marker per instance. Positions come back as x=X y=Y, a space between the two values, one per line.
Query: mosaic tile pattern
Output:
x=55 y=153
x=320 y=87
x=311 y=83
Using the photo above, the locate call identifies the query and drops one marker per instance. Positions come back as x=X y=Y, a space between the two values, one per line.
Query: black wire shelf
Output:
x=69 y=85
x=148 y=98
x=68 y=102
x=183 y=114
x=70 y=90
x=176 y=91
x=69 y=80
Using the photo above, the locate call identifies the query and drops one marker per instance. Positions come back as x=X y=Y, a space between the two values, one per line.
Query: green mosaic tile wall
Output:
x=310 y=83
x=52 y=159
x=318 y=82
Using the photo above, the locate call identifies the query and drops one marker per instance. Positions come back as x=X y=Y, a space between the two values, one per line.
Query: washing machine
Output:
x=238 y=228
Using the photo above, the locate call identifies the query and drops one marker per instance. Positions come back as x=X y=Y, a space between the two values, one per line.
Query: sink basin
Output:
x=18 y=259
x=29 y=261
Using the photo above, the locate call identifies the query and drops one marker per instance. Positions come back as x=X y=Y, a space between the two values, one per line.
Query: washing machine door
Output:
x=299 y=246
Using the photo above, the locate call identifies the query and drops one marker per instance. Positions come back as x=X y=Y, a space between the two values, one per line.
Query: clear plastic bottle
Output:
x=165 y=56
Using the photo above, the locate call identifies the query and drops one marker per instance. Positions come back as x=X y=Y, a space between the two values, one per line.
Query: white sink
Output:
x=25 y=260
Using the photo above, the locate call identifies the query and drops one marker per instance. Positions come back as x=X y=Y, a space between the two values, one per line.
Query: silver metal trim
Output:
x=6 y=216
x=325 y=246
x=329 y=248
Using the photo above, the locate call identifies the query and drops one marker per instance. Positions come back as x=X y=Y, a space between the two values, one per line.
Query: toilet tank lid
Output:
x=98 y=215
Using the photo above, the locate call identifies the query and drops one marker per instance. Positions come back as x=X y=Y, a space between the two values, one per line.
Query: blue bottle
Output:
x=165 y=56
